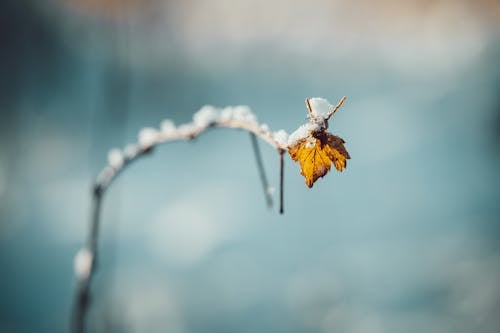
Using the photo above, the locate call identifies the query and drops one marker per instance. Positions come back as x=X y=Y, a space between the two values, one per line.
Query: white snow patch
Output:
x=240 y=112
x=265 y=128
x=270 y=190
x=243 y=112
x=320 y=108
x=281 y=137
x=226 y=113
x=115 y=158
x=82 y=263
x=130 y=151
x=147 y=137
x=186 y=129
x=302 y=133
x=167 y=126
x=206 y=115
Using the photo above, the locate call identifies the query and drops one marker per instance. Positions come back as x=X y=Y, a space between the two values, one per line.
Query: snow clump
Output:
x=302 y=133
x=82 y=263
x=130 y=151
x=264 y=128
x=241 y=112
x=167 y=126
x=206 y=116
x=320 y=108
x=115 y=158
x=187 y=129
x=281 y=137
x=147 y=137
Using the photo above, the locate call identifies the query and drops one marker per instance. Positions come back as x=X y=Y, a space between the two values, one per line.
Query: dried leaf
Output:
x=313 y=147
x=316 y=153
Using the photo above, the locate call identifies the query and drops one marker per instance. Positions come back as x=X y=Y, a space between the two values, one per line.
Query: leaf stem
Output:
x=282 y=171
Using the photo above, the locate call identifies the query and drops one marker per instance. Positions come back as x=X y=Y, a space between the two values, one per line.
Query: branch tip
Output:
x=336 y=107
x=308 y=104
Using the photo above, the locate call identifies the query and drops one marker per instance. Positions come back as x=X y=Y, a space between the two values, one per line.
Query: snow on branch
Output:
x=310 y=145
x=237 y=117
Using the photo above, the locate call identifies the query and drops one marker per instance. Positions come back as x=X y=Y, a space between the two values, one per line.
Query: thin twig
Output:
x=282 y=171
x=332 y=111
x=262 y=171
x=309 y=107
x=96 y=209
x=82 y=298
x=342 y=100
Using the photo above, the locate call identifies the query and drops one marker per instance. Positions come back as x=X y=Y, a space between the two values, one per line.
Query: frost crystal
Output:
x=301 y=133
x=226 y=113
x=130 y=151
x=147 y=137
x=167 y=126
x=82 y=263
x=240 y=112
x=281 y=137
x=186 y=129
x=205 y=116
x=115 y=158
x=243 y=112
x=320 y=108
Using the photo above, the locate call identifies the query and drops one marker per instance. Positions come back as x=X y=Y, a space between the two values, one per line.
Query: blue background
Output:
x=404 y=240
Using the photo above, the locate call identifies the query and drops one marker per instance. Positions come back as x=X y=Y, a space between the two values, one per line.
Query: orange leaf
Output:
x=317 y=152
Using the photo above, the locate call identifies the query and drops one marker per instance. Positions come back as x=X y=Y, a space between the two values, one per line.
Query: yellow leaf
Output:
x=317 y=152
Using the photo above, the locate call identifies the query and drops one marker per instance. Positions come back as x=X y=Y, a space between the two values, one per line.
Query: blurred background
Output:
x=405 y=240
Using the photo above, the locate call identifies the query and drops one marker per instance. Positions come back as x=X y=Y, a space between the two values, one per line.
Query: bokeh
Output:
x=405 y=240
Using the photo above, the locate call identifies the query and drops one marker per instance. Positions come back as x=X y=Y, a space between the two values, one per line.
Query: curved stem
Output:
x=85 y=261
x=106 y=177
x=82 y=300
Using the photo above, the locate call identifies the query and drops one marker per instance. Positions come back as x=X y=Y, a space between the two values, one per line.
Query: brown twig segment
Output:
x=282 y=175
x=336 y=107
x=309 y=108
x=313 y=117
